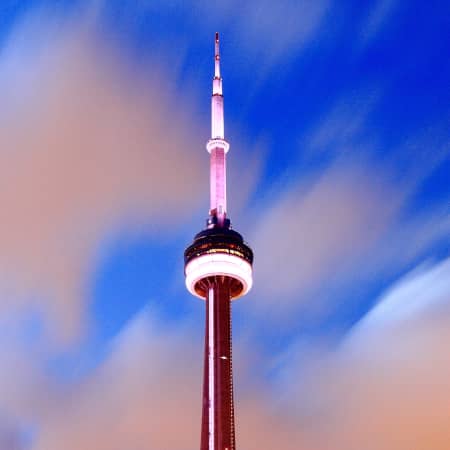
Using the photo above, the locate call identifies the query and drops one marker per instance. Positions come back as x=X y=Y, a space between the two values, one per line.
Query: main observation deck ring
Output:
x=218 y=264
x=218 y=252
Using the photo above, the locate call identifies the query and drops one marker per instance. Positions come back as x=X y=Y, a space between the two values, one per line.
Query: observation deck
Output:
x=218 y=252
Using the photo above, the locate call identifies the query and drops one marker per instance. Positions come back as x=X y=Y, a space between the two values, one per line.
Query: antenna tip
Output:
x=217 y=37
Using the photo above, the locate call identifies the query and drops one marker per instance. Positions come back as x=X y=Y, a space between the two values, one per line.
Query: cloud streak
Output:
x=318 y=229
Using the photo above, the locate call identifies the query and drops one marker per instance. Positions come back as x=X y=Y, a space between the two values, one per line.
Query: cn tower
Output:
x=218 y=269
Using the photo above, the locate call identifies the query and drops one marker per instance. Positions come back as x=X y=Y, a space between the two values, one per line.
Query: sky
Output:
x=338 y=118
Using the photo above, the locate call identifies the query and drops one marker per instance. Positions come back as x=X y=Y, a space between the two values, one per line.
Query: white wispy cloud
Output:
x=343 y=127
x=266 y=32
x=378 y=16
x=421 y=292
x=315 y=231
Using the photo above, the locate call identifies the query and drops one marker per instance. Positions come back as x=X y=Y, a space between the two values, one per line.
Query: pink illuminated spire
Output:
x=217 y=147
x=217 y=122
x=217 y=59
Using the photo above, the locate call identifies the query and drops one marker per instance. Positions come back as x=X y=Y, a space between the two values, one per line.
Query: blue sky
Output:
x=338 y=118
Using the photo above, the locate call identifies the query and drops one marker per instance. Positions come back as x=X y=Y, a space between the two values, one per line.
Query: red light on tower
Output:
x=218 y=269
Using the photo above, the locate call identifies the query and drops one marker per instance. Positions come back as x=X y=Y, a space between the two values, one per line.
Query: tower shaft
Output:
x=218 y=408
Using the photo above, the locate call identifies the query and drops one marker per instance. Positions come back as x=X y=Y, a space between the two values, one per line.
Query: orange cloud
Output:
x=88 y=147
x=384 y=388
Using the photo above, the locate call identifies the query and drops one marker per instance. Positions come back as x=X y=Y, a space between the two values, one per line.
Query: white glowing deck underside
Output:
x=218 y=264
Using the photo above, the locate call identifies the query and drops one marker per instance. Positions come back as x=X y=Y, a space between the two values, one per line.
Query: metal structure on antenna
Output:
x=218 y=269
